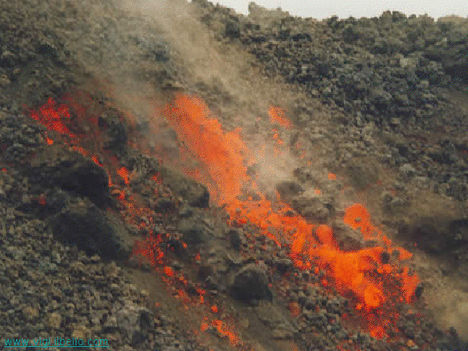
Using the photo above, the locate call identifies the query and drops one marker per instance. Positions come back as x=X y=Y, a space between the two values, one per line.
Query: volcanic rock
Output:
x=194 y=193
x=232 y=29
x=251 y=283
x=83 y=224
x=55 y=166
x=347 y=238
x=235 y=238
x=54 y=320
x=135 y=322
x=283 y=265
x=276 y=320
x=163 y=204
x=392 y=204
x=288 y=190
x=116 y=131
x=312 y=207
x=194 y=230
x=407 y=170
x=361 y=175
x=432 y=234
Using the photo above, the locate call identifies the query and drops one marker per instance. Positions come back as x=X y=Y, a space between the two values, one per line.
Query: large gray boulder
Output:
x=83 y=224
x=57 y=167
x=194 y=193
x=251 y=284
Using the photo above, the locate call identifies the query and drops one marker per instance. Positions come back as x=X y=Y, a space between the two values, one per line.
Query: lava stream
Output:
x=376 y=284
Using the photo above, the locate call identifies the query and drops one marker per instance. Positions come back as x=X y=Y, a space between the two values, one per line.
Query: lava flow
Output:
x=58 y=120
x=374 y=277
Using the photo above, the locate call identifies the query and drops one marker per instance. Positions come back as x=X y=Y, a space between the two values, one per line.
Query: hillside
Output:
x=177 y=176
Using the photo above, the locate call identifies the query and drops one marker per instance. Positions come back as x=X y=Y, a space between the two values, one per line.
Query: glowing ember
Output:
x=278 y=116
x=223 y=330
x=295 y=309
x=96 y=161
x=150 y=249
x=124 y=174
x=168 y=271
x=277 y=138
x=42 y=200
x=204 y=326
x=157 y=178
x=53 y=117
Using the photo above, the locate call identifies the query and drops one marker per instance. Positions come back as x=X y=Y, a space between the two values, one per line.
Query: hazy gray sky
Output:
x=358 y=8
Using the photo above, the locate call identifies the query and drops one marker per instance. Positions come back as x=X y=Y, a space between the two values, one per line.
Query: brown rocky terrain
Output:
x=118 y=222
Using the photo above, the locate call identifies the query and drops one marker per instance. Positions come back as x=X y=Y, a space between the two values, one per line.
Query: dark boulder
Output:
x=83 y=224
x=312 y=207
x=232 y=29
x=115 y=130
x=195 y=228
x=135 y=323
x=235 y=239
x=431 y=233
x=288 y=190
x=347 y=238
x=251 y=283
x=194 y=193
x=56 y=166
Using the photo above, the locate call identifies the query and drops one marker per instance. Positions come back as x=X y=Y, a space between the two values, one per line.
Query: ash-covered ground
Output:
x=118 y=218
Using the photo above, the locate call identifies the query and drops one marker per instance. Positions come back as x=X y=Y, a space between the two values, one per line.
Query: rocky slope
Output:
x=393 y=71
x=373 y=100
x=397 y=87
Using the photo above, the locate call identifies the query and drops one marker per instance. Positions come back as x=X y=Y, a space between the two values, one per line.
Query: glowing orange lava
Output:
x=124 y=174
x=222 y=153
x=168 y=271
x=53 y=117
x=374 y=282
x=278 y=116
x=56 y=118
x=364 y=274
x=223 y=329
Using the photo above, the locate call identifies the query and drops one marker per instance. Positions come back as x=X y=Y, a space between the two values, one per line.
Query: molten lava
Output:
x=53 y=117
x=223 y=330
x=374 y=281
x=365 y=275
x=57 y=119
x=223 y=154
